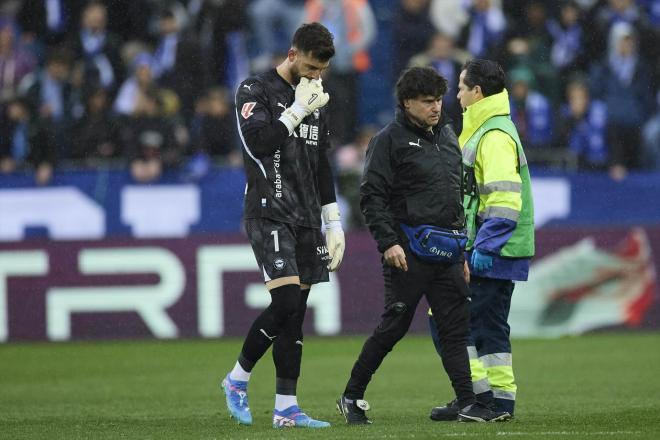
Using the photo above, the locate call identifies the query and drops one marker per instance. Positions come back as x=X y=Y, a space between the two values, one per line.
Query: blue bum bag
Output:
x=434 y=244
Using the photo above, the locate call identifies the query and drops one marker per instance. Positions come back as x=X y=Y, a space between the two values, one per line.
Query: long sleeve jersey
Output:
x=288 y=175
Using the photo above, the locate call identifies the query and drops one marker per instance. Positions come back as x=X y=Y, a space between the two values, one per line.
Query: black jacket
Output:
x=411 y=176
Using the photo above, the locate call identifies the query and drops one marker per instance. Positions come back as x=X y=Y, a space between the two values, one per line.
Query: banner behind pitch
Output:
x=209 y=286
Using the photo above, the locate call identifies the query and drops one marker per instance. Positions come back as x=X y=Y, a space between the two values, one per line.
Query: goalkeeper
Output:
x=282 y=124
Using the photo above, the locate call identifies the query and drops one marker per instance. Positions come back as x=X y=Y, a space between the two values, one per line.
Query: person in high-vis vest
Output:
x=500 y=222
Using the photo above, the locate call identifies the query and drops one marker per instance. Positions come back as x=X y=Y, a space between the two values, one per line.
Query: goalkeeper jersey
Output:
x=281 y=168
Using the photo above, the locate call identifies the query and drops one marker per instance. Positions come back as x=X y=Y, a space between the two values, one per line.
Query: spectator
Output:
x=214 y=128
x=411 y=29
x=134 y=86
x=529 y=43
x=53 y=99
x=273 y=25
x=530 y=110
x=24 y=141
x=354 y=28
x=443 y=57
x=97 y=48
x=178 y=63
x=48 y=21
x=96 y=135
x=583 y=125
x=621 y=11
x=624 y=82
x=15 y=63
x=221 y=28
x=149 y=139
x=567 y=39
x=450 y=16
x=485 y=30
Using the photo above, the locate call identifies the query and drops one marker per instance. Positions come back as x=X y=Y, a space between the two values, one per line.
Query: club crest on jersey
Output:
x=246 y=111
x=279 y=264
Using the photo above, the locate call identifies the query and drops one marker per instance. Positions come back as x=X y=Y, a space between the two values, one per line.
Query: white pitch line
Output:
x=541 y=433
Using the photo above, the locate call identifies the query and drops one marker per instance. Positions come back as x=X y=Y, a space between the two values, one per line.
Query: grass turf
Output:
x=597 y=386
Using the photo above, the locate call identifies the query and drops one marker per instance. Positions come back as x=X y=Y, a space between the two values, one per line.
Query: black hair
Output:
x=486 y=74
x=166 y=13
x=94 y=4
x=314 y=39
x=59 y=55
x=572 y=3
x=420 y=81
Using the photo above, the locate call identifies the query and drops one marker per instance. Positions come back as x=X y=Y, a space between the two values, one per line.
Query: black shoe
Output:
x=353 y=410
x=479 y=413
x=447 y=413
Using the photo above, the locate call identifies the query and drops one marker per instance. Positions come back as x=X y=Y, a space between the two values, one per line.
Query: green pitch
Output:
x=599 y=386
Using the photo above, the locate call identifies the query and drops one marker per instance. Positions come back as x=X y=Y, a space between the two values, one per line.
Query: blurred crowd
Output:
x=148 y=84
x=583 y=77
x=144 y=85
x=583 y=74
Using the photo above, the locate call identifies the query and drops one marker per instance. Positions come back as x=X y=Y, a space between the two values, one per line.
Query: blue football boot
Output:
x=293 y=417
x=237 y=400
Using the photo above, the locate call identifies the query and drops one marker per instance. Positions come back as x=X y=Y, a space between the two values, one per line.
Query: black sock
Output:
x=285 y=387
x=270 y=324
x=287 y=348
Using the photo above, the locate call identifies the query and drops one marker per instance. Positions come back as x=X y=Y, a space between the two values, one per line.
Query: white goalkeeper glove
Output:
x=334 y=235
x=309 y=97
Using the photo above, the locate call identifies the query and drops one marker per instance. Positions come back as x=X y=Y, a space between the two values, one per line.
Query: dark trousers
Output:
x=489 y=334
x=447 y=294
x=489 y=311
x=491 y=302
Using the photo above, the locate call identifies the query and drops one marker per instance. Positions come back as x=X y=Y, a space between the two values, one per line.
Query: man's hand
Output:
x=309 y=97
x=466 y=272
x=481 y=261
x=396 y=257
x=334 y=235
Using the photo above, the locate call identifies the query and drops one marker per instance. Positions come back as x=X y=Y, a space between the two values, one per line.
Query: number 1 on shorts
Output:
x=277 y=241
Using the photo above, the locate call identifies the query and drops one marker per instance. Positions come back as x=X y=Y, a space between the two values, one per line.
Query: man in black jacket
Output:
x=413 y=176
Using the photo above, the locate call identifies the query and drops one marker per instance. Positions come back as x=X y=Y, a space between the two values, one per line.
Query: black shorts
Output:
x=284 y=250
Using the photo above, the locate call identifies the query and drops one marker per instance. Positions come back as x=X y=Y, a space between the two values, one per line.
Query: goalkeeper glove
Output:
x=334 y=235
x=309 y=97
